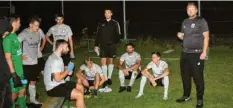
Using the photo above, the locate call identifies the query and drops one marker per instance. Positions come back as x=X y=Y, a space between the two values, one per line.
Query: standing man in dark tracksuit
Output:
x=195 y=36
x=108 y=34
x=5 y=74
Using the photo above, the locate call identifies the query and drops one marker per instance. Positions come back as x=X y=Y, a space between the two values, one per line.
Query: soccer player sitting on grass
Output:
x=93 y=76
x=131 y=70
x=159 y=77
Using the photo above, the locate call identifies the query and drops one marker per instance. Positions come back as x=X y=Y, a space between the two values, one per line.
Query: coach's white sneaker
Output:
x=165 y=98
x=139 y=95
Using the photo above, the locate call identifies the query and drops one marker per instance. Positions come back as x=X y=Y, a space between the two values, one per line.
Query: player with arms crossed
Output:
x=159 y=76
x=61 y=31
x=131 y=70
x=93 y=76
x=13 y=54
x=55 y=72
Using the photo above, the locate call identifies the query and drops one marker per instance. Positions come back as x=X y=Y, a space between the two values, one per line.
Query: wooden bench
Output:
x=55 y=102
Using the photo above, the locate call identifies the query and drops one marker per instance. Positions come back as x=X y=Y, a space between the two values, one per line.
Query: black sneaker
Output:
x=183 y=99
x=199 y=103
x=105 y=84
x=128 y=89
x=109 y=82
x=122 y=89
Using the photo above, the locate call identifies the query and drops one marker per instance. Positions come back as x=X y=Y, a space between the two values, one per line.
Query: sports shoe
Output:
x=122 y=89
x=199 y=104
x=139 y=95
x=95 y=92
x=183 y=99
x=128 y=89
x=109 y=82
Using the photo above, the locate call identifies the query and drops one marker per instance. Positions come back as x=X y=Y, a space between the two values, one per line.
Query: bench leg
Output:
x=67 y=103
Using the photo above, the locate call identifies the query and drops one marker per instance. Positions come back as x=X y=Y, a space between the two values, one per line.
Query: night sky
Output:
x=159 y=19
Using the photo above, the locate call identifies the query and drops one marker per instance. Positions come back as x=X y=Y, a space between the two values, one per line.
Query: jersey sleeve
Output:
x=149 y=66
x=204 y=26
x=70 y=33
x=56 y=67
x=41 y=33
x=7 y=43
x=138 y=57
x=122 y=58
x=165 y=66
x=22 y=36
x=99 y=70
x=182 y=27
x=82 y=67
x=49 y=33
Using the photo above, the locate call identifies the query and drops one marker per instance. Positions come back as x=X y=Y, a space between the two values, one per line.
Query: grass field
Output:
x=218 y=82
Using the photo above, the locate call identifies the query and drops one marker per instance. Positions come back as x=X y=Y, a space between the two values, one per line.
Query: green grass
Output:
x=218 y=82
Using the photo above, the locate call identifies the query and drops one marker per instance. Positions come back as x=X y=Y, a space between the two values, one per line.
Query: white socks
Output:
x=32 y=93
x=110 y=70
x=105 y=69
x=133 y=77
x=165 y=82
x=142 y=84
x=122 y=78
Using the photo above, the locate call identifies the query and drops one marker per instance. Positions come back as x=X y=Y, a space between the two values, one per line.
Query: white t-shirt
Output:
x=59 y=32
x=157 y=70
x=90 y=73
x=54 y=64
x=42 y=36
x=130 y=60
x=31 y=44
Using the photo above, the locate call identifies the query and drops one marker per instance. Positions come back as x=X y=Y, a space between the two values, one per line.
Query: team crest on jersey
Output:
x=192 y=25
x=184 y=26
x=103 y=25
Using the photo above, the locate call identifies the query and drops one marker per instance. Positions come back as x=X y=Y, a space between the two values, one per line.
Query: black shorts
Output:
x=159 y=82
x=41 y=63
x=62 y=90
x=91 y=82
x=31 y=72
x=108 y=51
x=130 y=74
x=66 y=59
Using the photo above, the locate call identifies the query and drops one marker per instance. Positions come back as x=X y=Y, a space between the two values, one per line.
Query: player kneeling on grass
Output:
x=159 y=77
x=131 y=70
x=93 y=76
x=55 y=73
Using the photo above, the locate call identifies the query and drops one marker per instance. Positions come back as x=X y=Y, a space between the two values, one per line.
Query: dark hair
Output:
x=34 y=19
x=192 y=4
x=12 y=19
x=130 y=44
x=60 y=42
x=87 y=58
x=156 y=53
x=59 y=15
x=108 y=10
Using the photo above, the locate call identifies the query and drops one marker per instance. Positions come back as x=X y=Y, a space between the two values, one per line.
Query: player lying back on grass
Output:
x=160 y=74
x=93 y=76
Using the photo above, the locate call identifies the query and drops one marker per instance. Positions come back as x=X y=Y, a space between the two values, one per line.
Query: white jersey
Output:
x=90 y=73
x=31 y=44
x=130 y=60
x=59 y=32
x=54 y=64
x=42 y=36
x=157 y=70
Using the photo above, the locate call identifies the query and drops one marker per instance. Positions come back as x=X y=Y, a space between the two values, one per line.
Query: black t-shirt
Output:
x=193 y=30
x=4 y=25
x=5 y=71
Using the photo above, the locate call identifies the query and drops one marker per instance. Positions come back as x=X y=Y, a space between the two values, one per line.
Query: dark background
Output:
x=154 y=18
